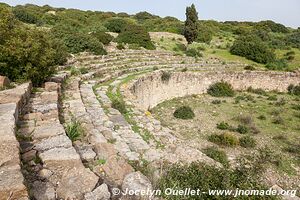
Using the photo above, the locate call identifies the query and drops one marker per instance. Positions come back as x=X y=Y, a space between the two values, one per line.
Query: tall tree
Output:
x=191 y=28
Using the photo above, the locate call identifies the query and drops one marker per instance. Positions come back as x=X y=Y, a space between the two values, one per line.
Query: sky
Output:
x=286 y=12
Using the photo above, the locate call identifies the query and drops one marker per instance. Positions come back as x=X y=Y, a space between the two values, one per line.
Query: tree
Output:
x=191 y=28
x=252 y=48
x=134 y=34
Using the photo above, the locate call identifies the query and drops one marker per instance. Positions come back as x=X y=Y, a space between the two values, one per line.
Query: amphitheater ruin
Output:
x=39 y=160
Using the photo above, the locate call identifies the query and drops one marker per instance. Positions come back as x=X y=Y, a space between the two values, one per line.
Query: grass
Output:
x=293 y=64
x=258 y=113
x=74 y=130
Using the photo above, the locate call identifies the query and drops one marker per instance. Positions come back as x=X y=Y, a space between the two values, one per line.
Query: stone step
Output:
x=11 y=179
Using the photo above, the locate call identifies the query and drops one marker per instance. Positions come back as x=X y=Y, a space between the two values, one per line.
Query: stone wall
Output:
x=150 y=90
x=11 y=179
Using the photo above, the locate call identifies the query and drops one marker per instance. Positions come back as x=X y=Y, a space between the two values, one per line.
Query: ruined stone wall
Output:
x=150 y=90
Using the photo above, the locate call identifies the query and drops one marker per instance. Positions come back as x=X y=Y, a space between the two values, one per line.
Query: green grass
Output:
x=74 y=130
x=261 y=111
x=294 y=64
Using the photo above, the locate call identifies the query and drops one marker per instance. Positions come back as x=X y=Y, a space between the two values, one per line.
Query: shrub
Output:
x=278 y=120
x=221 y=89
x=119 y=105
x=83 y=70
x=226 y=139
x=262 y=117
x=120 y=46
x=272 y=98
x=184 y=112
x=19 y=62
x=134 y=34
x=103 y=37
x=204 y=35
x=247 y=142
x=217 y=155
x=249 y=67
x=116 y=25
x=245 y=119
x=223 y=126
x=216 y=101
x=242 y=129
x=253 y=48
x=165 y=76
x=193 y=53
x=200 y=175
x=294 y=90
x=257 y=91
x=74 y=130
x=79 y=42
x=280 y=64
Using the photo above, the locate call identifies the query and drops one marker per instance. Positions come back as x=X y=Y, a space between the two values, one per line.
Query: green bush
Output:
x=242 y=129
x=134 y=34
x=223 y=126
x=226 y=139
x=294 y=90
x=103 y=37
x=19 y=62
x=80 y=42
x=258 y=91
x=216 y=101
x=207 y=177
x=277 y=65
x=184 y=112
x=193 y=53
x=252 y=48
x=116 y=25
x=221 y=89
x=119 y=105
x=249 y=67
x=74 y=130
x=217 y=155
x=247 y=142
x=262 y=117
x=120 y=46
x=165 y=76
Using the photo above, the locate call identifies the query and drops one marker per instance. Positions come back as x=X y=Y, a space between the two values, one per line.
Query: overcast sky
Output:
x=283 y=11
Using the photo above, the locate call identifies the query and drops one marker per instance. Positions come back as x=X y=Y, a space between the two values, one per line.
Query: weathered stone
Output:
x=53 y=142
x=115 y=169
x=45 y=173
x=100 y=193
x=11 y=183
x=104 y=150
x=33 y=116
x=59 y=154
x=4 y=81
x=28 y=156
x=96 y=138
x=86 y=153
x=76 y=182
x=43 y=191
x=49 y=130
x=9 y=154
x=136 y=181
x=49 y=97
x=51 y=86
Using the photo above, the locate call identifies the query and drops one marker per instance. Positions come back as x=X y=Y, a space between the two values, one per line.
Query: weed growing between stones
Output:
x=74 y=130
